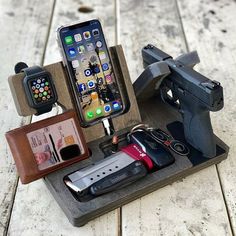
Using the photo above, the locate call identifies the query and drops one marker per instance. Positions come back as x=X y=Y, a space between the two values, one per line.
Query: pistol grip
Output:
x=199 y=133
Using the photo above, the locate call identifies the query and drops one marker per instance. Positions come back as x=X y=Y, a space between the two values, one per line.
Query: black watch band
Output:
x=29 y=71
x=42 y=110
x=32 y=70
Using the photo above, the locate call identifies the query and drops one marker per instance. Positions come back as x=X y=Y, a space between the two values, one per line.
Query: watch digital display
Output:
x=41 y=90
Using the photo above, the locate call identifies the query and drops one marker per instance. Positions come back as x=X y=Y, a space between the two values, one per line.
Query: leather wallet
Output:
x=47 y=145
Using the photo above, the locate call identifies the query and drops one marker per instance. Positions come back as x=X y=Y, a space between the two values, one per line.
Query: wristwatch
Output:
x=39 y=89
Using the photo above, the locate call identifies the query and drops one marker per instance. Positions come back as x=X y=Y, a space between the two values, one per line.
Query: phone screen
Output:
x=90 y=66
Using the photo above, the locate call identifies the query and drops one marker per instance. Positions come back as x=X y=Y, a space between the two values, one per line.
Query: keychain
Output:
x=163 y=138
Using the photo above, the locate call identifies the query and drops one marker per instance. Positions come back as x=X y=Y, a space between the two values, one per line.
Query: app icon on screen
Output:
x=107 y=108
x=72 y=52
x=87 y=72
x=82 y=87
x=84 y=60
x=90 y=47
x=94 y=95
x=95 y=32
x=93 y=59
x=99 y=44
x=98 y=111
x=100 y=80
x=105 y=66
x=87 y=35
x=81 y=49
x=116 y=105
x=77 y=37
x=91 y=84
x=90 y=114
x=75 y=63
x=108 y=79
x=68 y=40
x=96 y=69
x=102 y=55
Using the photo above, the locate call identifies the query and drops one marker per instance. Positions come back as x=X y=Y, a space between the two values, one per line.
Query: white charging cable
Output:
x=106 y=125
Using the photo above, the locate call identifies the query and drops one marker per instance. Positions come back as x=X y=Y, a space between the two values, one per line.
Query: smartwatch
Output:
x=39 y=89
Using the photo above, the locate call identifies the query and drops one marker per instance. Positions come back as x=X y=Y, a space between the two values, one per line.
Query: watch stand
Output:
x=59 y=76
x=151 y=111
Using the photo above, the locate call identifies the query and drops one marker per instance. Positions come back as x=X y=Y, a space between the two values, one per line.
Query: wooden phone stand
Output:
x=153 y=112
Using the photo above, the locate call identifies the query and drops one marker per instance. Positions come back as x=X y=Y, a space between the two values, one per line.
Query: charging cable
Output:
x=107 y=126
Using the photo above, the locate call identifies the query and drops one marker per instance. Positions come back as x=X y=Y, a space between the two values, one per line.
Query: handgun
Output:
x=193 y=94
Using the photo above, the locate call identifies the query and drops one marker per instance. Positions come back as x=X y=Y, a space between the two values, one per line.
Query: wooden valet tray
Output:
x=79 y=213
x=153 y=112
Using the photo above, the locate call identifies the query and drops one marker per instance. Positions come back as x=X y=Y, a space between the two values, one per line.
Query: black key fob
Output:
x=160 y=156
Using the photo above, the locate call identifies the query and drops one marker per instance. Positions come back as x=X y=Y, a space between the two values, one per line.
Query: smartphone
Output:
x=86 y=57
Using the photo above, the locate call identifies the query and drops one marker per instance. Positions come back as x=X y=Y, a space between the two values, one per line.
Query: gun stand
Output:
x=153 y=111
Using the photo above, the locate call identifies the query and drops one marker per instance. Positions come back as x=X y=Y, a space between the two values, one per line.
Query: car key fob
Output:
x=160 y=156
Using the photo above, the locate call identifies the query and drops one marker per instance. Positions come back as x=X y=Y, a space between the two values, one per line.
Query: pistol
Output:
x=193 y=94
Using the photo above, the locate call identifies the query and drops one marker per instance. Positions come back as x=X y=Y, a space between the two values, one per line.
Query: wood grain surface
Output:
x=201 y=204
x=46 y=218
x=210 y=28
x=24 y=30
x=194 y=206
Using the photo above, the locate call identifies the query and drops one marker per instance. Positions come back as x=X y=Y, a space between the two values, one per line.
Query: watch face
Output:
x=41 y=90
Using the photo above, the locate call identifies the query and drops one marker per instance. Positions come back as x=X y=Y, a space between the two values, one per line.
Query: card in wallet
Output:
x=47 y=145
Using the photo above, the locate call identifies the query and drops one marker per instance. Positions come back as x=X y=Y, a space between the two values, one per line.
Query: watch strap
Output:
x=43 y=109
x=32 y=70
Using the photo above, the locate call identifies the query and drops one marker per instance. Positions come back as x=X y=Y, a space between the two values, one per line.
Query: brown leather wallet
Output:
x=47 y=145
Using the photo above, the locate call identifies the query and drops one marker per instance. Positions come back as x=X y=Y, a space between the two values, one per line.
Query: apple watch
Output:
x=39 y=89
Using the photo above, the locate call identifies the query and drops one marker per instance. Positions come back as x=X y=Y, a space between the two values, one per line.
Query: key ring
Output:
x=166 y=139
x=163 y=138
x=139 y=126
